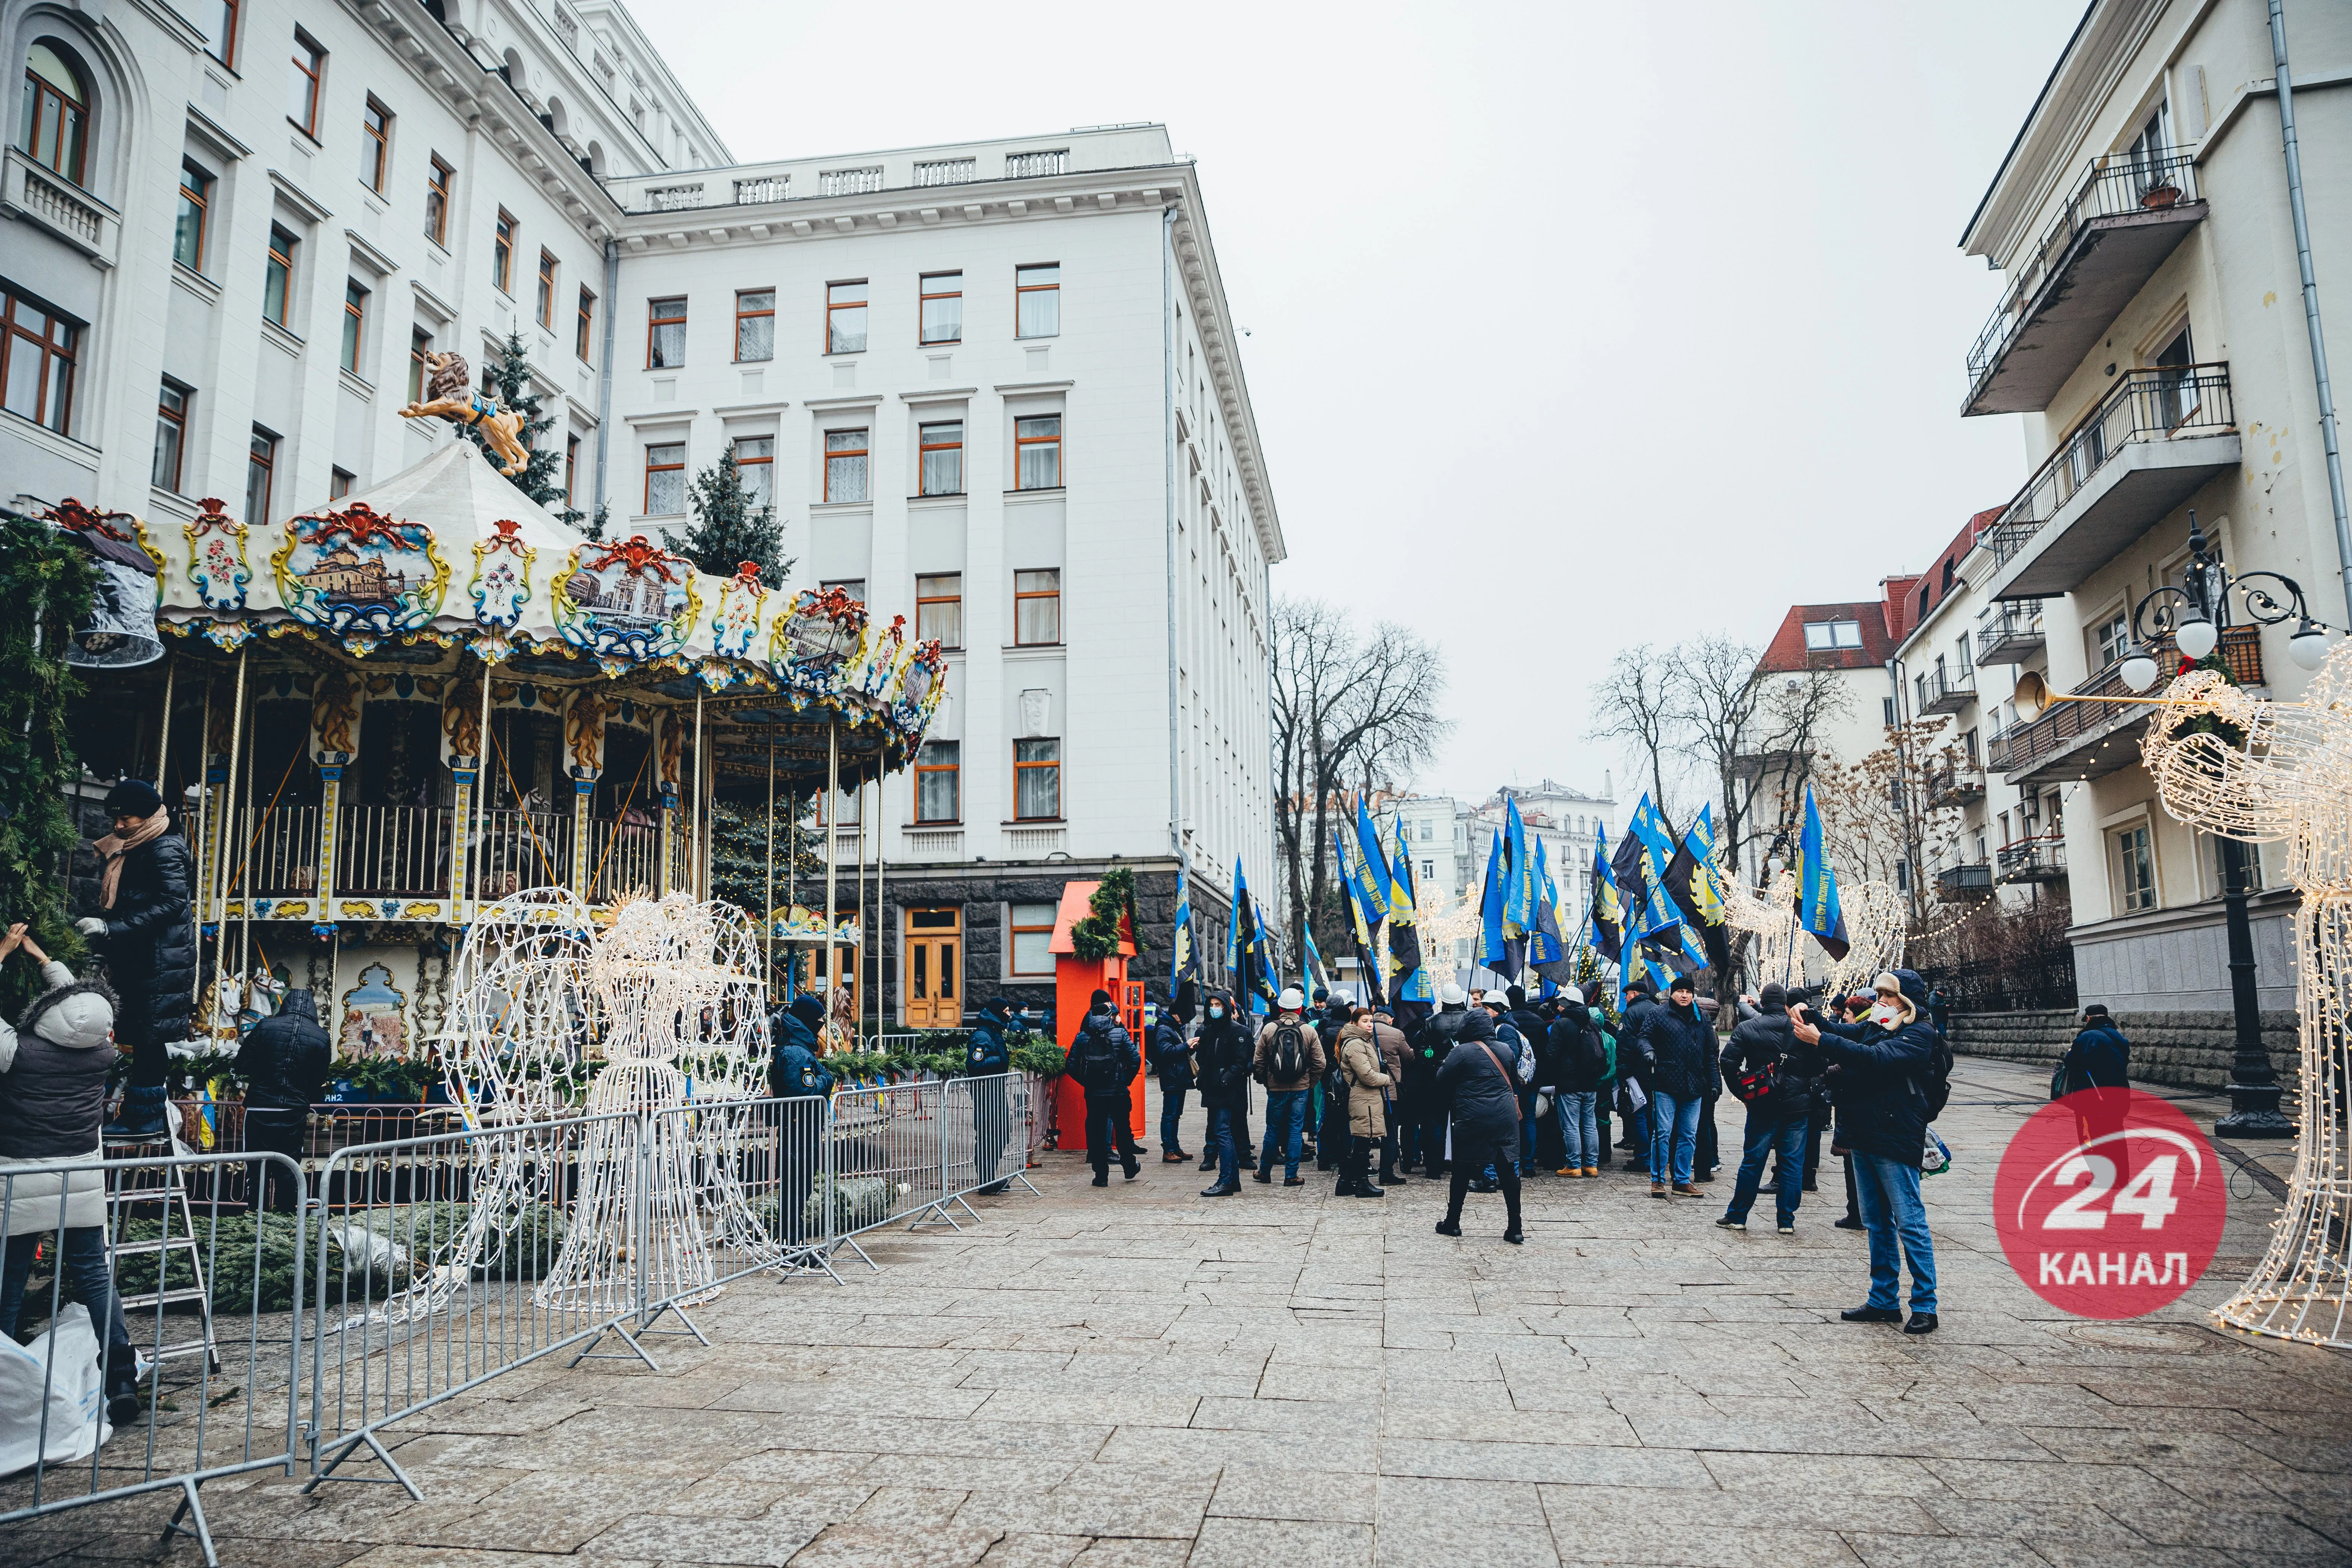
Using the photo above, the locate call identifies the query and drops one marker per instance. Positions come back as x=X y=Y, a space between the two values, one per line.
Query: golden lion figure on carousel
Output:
x=451 y=396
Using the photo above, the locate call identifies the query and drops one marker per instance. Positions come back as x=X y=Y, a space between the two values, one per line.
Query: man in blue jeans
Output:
x=1677 y=1048
x=1289 y=1060
x=1764 y=1065
x=1881 y=1073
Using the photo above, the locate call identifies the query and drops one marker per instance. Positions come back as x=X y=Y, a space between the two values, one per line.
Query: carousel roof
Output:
x=448 y=558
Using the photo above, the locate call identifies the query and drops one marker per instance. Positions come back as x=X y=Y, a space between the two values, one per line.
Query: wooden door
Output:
x=932 y=983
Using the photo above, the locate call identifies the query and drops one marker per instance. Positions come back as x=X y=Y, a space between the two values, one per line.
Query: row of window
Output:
x=1036 y=313
x=1036 y=783
x=175 y=403
x=848 y=457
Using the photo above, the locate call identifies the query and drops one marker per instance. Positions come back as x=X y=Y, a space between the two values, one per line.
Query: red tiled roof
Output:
x=1787 y=649
x=1931 y=586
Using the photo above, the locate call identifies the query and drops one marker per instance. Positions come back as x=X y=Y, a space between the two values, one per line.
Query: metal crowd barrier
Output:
x=202 y=1276
x=284 y=1318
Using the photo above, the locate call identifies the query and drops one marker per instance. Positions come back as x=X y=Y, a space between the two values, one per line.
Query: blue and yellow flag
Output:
x=1373 y=864
x=1496 y=946
x=1235 y=942
x=1817 y=892
x=1313 y=976
x=1607 y=913
x=1518 y=917
x=1184 y=964
x=1408 y=981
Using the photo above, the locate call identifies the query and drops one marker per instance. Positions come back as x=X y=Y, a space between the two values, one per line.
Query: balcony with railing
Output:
x=2041 y=858
x=2130 y=212
x=1969 y=880
x=1942 y=690
x=1957 y=784
x=2011 y=631
x=2092 y=740
x=2158 y=436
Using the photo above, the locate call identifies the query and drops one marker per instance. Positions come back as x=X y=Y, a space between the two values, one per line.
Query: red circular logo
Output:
x=2110 y=1202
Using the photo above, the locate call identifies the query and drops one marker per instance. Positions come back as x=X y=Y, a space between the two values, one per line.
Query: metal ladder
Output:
x=149 y=1185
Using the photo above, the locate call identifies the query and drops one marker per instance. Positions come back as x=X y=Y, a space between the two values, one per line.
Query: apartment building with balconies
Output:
x=2151 y=336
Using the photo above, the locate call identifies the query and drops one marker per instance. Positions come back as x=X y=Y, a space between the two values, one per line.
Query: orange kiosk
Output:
x=1076 y=980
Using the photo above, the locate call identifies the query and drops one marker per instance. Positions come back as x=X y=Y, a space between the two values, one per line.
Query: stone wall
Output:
x=2181 y=1050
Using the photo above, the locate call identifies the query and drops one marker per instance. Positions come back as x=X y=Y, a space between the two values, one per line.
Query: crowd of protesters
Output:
x=1484 y=1091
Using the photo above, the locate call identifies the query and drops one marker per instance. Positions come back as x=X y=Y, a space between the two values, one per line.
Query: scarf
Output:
x=114 y=846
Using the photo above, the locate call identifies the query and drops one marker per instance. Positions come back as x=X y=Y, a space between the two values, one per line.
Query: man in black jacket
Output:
x=1574 y=1061
x=797 y=1076
x=1677 y=1052
x=1106 y=1063
x=284 y=1061
x=1331 y=1127
x=1222 y=1055
x=146 y=931
x=1881 y=1073
x=1639 y=1000
x=1532 y=1026
x=1170 y=1056
x=1479 y=1082
x=986 y=1061
x=1767 y=1069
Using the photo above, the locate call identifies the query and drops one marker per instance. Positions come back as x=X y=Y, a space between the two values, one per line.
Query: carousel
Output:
x=382 y=720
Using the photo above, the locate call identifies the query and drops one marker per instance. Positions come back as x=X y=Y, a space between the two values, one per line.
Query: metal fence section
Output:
x=445 y=1261
x=183 y=1300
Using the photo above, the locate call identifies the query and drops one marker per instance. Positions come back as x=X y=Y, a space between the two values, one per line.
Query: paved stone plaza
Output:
x=1287 y=1380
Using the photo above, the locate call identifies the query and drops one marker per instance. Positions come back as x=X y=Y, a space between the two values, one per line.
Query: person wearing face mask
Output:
x=1222 y=1064
x=1170 y=1054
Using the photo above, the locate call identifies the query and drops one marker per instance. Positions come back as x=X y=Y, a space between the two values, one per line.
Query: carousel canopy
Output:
x=448 y=559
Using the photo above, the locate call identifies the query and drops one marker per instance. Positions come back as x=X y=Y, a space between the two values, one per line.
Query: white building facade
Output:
x=992 y=388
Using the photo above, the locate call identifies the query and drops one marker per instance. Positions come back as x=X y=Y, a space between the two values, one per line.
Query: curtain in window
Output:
x=1037 y=787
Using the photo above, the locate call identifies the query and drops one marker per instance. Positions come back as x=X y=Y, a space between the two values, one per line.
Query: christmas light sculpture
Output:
x=2281 y=772
x=1876 y=916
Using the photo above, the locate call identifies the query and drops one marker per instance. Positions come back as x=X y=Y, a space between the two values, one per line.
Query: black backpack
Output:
x=1937 y=1083
x=1595 y=1054
x=1098 y=1061
x=1290 y=1052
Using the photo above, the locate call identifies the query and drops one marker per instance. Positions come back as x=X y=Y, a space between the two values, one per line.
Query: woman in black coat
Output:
x=146 y=931
x=1223 y=1051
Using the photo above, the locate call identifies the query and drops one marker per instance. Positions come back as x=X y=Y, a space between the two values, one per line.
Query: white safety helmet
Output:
x=1290 y=1001
x=1452 y=996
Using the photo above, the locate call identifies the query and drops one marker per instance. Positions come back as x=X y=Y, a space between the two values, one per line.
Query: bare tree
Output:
x=1634 y=704
x=1349 y=709
x=1894 y=808
x=1753 y=733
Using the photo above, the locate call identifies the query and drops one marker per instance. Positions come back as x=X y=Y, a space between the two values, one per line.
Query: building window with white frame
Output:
x=2109 y=638
x=943 y=308
x=845 y=318
x=1037 y=452
x=939 y=800
x=755 y=464
x=1037 y=608
x=1821 y=635
x=664 y=478
x=1037 y=300
x=355 y=300
x=941 y=448
x=171 y=436
x=845 y=454
x=1037 y=779
x=2135 y=870
x=939 y=609
x=666 y=333
x=258 y=469
x=755 y=325
x=1031 y=927
x=302 y=105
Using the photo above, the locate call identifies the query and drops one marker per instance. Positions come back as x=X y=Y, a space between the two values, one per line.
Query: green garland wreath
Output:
x=1097 y=937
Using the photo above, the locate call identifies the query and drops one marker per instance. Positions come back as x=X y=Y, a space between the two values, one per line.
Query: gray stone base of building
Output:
x=2178 y=1050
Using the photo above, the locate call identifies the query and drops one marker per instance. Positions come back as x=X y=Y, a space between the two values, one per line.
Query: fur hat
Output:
x=76 y=1014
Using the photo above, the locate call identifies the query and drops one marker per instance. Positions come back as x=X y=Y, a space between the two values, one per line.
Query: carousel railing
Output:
x=280 y=846
x=393 y=850
x=624 y=858
x=521 y=849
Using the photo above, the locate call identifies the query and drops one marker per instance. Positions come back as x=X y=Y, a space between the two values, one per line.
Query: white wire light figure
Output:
x=679 y=985
x=1875 y=915
x=2281 y=772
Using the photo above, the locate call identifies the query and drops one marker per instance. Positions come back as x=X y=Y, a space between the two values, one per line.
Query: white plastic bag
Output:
x=77 y=1403
x=1936 y=1158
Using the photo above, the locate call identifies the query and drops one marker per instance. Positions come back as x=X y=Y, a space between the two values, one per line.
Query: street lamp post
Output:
x=2195 y=614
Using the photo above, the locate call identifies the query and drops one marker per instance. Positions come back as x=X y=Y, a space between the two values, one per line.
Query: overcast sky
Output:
x=1573 y=326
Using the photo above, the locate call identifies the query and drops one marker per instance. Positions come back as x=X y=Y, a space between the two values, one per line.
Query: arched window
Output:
x=55 y=129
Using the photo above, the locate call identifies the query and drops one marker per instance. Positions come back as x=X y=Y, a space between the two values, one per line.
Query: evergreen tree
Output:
x=508 y=382
x=728 y=530
x=739 y=855
x=44 y=589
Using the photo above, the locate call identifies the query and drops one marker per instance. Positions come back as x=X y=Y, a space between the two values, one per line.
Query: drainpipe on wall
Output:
x=2311 y=297
x=1168 y=435
x=604 y=373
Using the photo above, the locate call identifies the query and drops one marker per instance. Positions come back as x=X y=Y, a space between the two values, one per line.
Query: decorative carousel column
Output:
x=584 y=739
x=334 y=747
